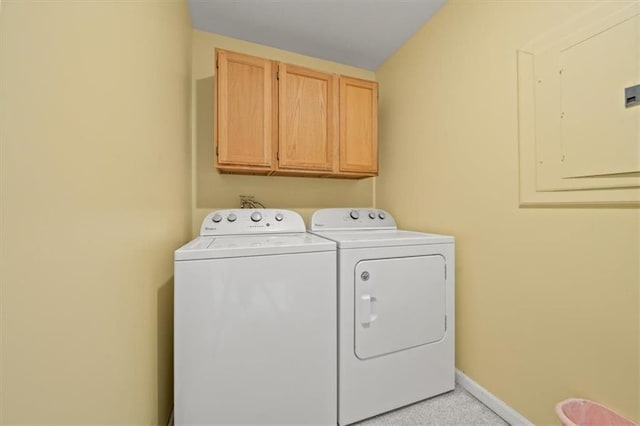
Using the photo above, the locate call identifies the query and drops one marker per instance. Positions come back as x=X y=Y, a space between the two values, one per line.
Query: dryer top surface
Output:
x=383 y=238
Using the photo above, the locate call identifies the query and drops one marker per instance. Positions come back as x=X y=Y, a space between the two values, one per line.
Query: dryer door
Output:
x=399 y=304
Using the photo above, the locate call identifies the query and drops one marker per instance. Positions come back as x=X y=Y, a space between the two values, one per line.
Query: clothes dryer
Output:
x=395 y=311
x=255 y=322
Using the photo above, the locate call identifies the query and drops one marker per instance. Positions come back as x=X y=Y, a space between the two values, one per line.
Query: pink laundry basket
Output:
x=582 y=412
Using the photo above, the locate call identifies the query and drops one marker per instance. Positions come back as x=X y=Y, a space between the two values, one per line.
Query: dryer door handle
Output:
x=367 y=310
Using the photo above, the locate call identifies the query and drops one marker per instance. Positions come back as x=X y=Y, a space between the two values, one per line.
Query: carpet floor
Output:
x=456 y=408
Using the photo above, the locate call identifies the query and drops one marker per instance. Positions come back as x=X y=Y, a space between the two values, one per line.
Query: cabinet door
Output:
x=245 y=111
x=306 y=119
x=358 y=126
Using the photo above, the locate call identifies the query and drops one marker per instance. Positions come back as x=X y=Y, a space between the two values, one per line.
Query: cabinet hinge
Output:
x=216 y=150
x=278 y=155
x=277 y=75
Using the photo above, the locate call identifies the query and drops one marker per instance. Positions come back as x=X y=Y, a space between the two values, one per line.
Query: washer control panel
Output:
x=351 y=219
x=251 y=221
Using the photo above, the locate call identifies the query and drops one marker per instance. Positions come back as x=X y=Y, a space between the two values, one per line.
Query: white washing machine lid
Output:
x=217 y=247
x=383 y=238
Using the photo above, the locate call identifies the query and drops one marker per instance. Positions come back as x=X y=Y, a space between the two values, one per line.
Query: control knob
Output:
x=381 y=215
x=216 y=218
x=354 y=214
x=279 y=217
x=232 y=217
x=256 y=216
x=372 y=215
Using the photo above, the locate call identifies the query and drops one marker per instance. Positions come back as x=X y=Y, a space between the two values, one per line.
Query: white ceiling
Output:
x=362 y=33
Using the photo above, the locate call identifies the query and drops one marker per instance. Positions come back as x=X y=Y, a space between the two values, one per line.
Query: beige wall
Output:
x=95 y=189
x=212 y=190
x=95 y=175
x=547 y=299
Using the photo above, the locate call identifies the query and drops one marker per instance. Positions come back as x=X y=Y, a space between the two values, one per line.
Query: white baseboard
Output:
x=498 y=406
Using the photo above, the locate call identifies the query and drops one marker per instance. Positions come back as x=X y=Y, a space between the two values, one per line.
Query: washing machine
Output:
x=395 y=311
x=255 y=336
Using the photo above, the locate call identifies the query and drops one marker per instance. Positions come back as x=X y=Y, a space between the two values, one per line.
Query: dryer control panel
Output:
x=352 y=219
x=251 y=221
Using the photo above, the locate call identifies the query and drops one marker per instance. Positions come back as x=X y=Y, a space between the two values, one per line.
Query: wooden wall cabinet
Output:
x=358 y=126
x=279 y=119
x=245 y=119
x=307 y=133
